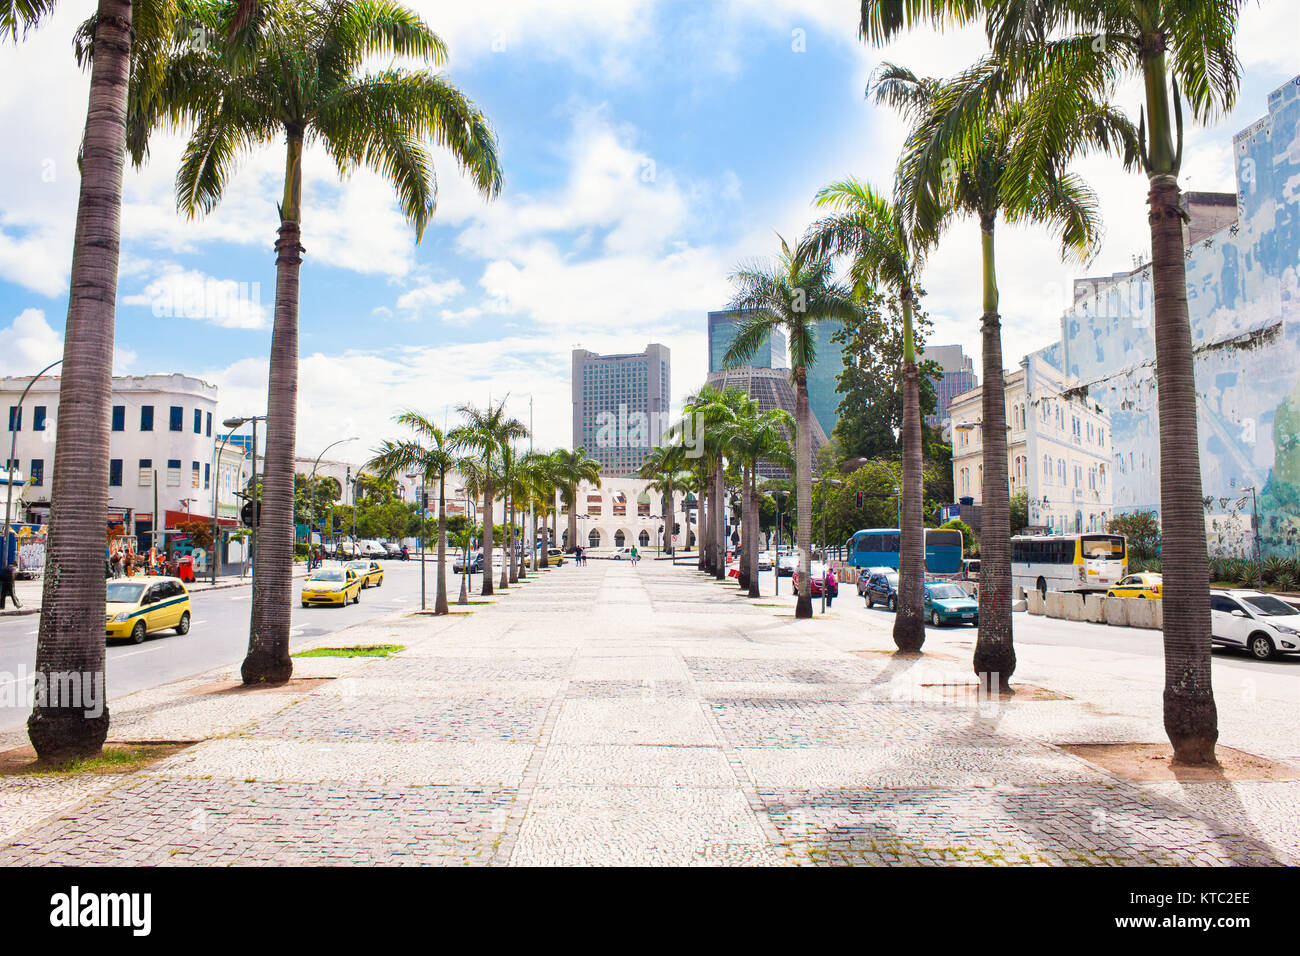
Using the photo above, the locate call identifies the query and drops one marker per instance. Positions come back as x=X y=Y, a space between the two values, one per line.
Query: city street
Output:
x=218 y=635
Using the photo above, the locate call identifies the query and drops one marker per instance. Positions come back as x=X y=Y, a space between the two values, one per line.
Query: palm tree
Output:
x=489 y=431
x=872 y=231
x=474 y=476
x=756 y=437
x=71 y=637
x=572 y=467
x=710 y=411
x=1091 y=50
x=433 y=455
x=296 y=69
x=956 y=159
x=792 y=295
x=662 y=468
x=537 y=475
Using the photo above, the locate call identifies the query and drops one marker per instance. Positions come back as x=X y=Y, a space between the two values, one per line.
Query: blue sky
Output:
x=649 y=146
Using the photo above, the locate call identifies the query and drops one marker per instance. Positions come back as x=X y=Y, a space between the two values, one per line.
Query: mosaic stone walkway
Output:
x=659 y=719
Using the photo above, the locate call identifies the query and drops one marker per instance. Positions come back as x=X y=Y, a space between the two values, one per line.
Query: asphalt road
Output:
x=217 y=637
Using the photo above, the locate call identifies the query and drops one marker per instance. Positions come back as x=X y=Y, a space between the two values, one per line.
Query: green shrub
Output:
x=300 y=549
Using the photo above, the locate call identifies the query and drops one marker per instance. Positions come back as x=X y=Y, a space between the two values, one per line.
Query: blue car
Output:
x=949 y=604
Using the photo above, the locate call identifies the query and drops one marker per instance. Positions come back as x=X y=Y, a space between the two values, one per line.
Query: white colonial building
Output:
x=1058 y=448
x=623 y=512
x=162 y=454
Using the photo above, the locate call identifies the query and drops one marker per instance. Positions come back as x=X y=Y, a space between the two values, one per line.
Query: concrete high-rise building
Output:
x=722 y=332
x=958 y=377
x=824 y=376
x=620 y=406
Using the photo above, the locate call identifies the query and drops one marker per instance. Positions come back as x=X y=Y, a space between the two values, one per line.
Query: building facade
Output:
x=722 y=330
x=1242 y=256
x=771 y=388
x=621 y=406
x=957 y=378
x=162 y=454
x=1058 y=449
x=824 y=376
x=623 y=512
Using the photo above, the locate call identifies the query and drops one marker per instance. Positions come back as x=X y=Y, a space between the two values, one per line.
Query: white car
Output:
x=786 y=564
x=765 y=561
x=1260 y=623
x=620 y=554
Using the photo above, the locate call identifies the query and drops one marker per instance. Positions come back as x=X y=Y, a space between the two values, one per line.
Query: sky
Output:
x=649 y=148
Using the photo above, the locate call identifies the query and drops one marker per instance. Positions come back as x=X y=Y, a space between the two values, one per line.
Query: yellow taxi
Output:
x=370 y=572
x=1143 y=585
x=331 y=585
x=141 y=606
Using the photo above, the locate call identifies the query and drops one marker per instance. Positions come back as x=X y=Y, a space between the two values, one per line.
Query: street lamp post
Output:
x=9 y=462
x=254 y=497
x=420 y=511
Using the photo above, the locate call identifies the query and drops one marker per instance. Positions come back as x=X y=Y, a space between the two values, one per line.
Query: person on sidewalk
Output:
x=7 y=584
x=830 y=584
x=634 y=554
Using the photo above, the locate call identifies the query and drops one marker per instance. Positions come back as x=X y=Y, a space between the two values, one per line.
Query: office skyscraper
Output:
x=722 y=332
x=824 y=375
x=620 y=406
x=958 y=377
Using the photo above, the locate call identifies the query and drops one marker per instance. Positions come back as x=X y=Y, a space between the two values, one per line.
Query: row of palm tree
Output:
x=266 y=70
x=996 y=141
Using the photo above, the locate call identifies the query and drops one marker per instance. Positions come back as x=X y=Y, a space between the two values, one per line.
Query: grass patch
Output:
x=115 y=758
x=357 y=650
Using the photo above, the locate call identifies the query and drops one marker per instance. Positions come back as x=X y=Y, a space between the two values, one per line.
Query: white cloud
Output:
x=179 y=293
x=415 y=301
x=30 y=343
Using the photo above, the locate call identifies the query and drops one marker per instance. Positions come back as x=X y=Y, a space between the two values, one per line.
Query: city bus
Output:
x=878 y=548
x=1068 y=562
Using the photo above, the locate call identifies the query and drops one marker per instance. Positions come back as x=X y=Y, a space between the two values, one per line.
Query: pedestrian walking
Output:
x=635 y=557
x=7 y=584
x=830 y=584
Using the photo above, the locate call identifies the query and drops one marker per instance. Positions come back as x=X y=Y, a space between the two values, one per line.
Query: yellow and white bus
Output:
x=1068 y=562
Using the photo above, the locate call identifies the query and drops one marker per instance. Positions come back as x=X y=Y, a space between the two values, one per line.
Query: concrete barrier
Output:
x=1019 y=604
x=1094 y=608
x=1072 y=607
x=1144 y=613
x=1115 y=611
x=1034 y=601
x=1054 y=605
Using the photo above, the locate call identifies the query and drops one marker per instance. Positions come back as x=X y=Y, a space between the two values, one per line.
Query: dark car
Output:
x=882 y=588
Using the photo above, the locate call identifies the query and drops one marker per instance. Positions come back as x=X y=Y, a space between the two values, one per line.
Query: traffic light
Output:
x=677 y=527
x=861 y=496
x=246 y=514
x=424 y=501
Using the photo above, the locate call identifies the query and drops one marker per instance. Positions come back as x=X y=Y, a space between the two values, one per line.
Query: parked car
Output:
x=786 y=563
x=1261 y=623
x=138 y=608
x=373 y=549
x=554 y=557
x=475 y=564
x=970 y=569
x=370 y=572
x=620 y=554
x=331 y=585
x=765 y=560
x=818 y=571
x=948 y=604
x=882 y=588
x=1147 y=584
x=346 y=550
x=394 y=550
x=865 y=575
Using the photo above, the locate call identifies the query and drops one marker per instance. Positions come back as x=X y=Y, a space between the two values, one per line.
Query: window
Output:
x=207 y=475
x=146 y=472
x=208 y=433
x=146 y=418
x=38 y=418
x=173 y=472
x=176 y=418
x=194 y=474
x=115 y=473
x=619 y=539
x=38 y=471
x=119 y=418
x=593 y=539
x=644 y=538
x=198 y=421
x=15 y=418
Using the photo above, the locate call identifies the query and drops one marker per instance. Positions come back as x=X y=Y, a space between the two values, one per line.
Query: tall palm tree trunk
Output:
x=705 y=515
x=509 y=574
x=488 y=532
x=670 y=521
x=71 y=634
x=1191 y=718
x=720 y=525
x=909 y=621
x=995 y=654
x=440 y=599
x=268 y=658
x=752 y=531
x=803 y=492
x=573 y=516
x=742 y=578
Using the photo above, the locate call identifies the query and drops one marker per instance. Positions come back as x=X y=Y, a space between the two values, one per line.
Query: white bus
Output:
x=1068 y=562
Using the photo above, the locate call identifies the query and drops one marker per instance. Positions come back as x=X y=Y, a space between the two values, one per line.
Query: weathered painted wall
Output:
x=1244 y=299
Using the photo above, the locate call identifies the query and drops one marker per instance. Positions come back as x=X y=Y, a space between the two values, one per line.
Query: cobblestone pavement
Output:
x=659 y=719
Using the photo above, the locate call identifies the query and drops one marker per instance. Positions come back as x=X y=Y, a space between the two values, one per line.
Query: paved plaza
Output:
x=614 y=714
